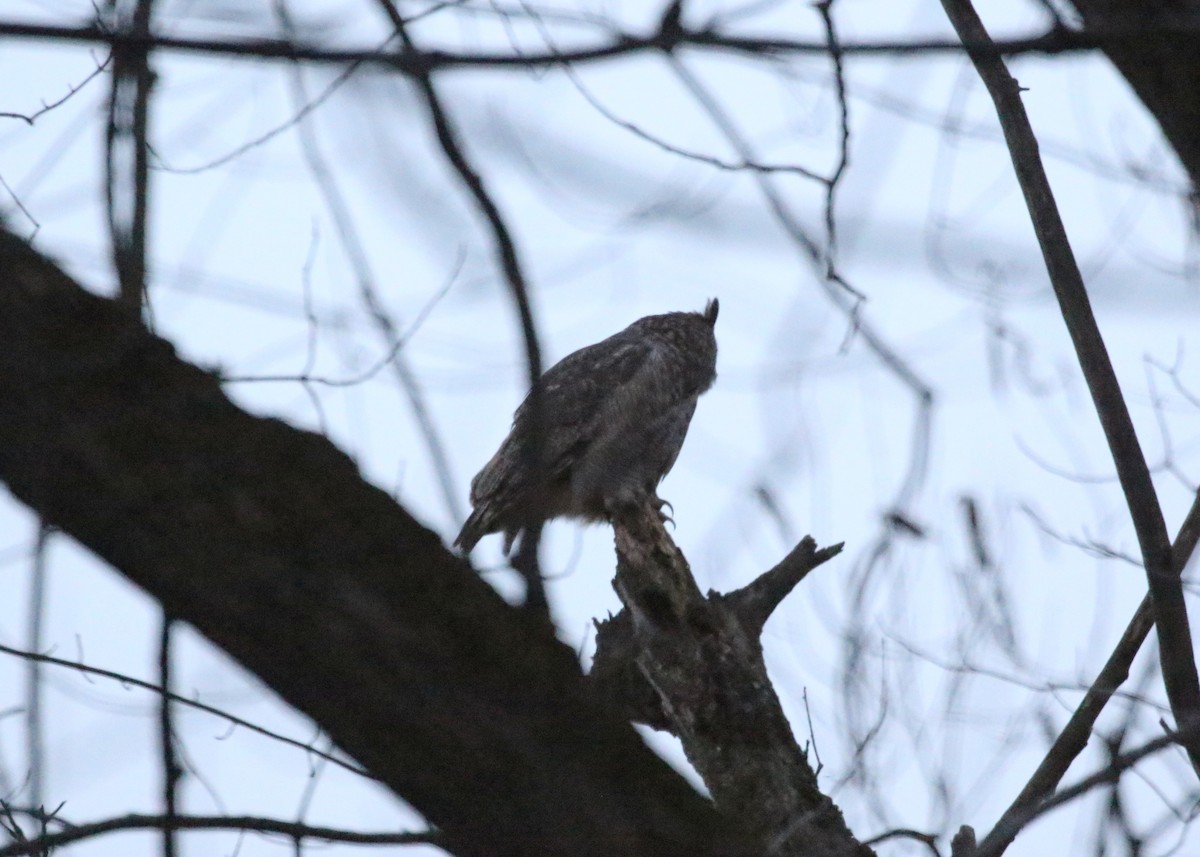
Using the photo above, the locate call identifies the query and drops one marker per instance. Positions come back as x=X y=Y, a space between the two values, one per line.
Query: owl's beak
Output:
x=710 y=311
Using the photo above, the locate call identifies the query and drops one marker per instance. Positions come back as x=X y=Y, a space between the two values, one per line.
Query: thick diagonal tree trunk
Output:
x=268 y=541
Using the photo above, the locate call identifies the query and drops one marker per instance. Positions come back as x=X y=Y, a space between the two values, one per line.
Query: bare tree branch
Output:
x=1078 y=731
x=756 y=601
x=926 y=839
x=232 y=719
x=1056 y=40
x=251 y=824
x=1166 y=590
x=171 y=770
x=47 y=106
x=1110 y=773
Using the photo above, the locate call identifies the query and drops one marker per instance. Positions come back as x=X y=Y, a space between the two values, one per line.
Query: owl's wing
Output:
x=637 y=431
x=574 y=394
x=582 y=393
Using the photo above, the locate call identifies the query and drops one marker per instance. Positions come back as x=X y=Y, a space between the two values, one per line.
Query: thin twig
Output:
x=1078 y=730
x=398 y=343
x=12 y=194
x=825 y=9
x=299 y=113
x=843 y=296
x=310 y=792
x=641 y=133
x=233 y=720
x=926 y=839
x=812 y=737
x=171 y=771
x=1110 y=773
x=253 y=824
x=72 y=89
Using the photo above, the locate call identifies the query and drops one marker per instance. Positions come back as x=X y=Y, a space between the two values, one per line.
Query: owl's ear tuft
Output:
x=710 y=311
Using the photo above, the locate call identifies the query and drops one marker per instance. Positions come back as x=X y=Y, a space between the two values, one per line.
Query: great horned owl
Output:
x=613 y=418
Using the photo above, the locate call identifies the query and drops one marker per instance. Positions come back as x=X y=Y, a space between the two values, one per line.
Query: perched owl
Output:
x=613 y=418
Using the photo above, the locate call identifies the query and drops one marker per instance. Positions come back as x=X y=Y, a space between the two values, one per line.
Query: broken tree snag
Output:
x=616 y=679
x=693 y=666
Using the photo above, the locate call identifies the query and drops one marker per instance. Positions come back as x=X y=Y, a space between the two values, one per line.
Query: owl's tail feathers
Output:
x=478 y=525
x=481 y=522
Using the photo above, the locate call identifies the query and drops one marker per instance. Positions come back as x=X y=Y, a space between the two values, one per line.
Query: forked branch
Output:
x=1075 y=735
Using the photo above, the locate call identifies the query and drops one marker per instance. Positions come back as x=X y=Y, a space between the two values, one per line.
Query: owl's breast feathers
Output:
x=604 y=425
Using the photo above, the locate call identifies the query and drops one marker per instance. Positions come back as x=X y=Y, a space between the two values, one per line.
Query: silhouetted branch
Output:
x=171 y=770
x=245 y=823
x=754 y=603
x=1075 y=735
x=926 y=839
x=825 y=10
x=1055 y=40
x=72 y=89
x=1110 y=773
x=1166 y=590
x=233 y=720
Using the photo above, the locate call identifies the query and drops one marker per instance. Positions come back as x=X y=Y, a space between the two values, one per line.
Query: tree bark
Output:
x=267 y=540
x=693 y=665
x=1163 y=69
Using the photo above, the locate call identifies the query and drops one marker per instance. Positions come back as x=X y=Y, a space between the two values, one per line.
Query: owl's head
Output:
x=689 y=331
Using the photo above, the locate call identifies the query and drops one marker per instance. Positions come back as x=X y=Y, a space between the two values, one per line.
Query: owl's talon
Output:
x=659 y=502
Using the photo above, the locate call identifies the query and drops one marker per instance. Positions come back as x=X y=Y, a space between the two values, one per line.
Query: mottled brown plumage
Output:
x=613 y=417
